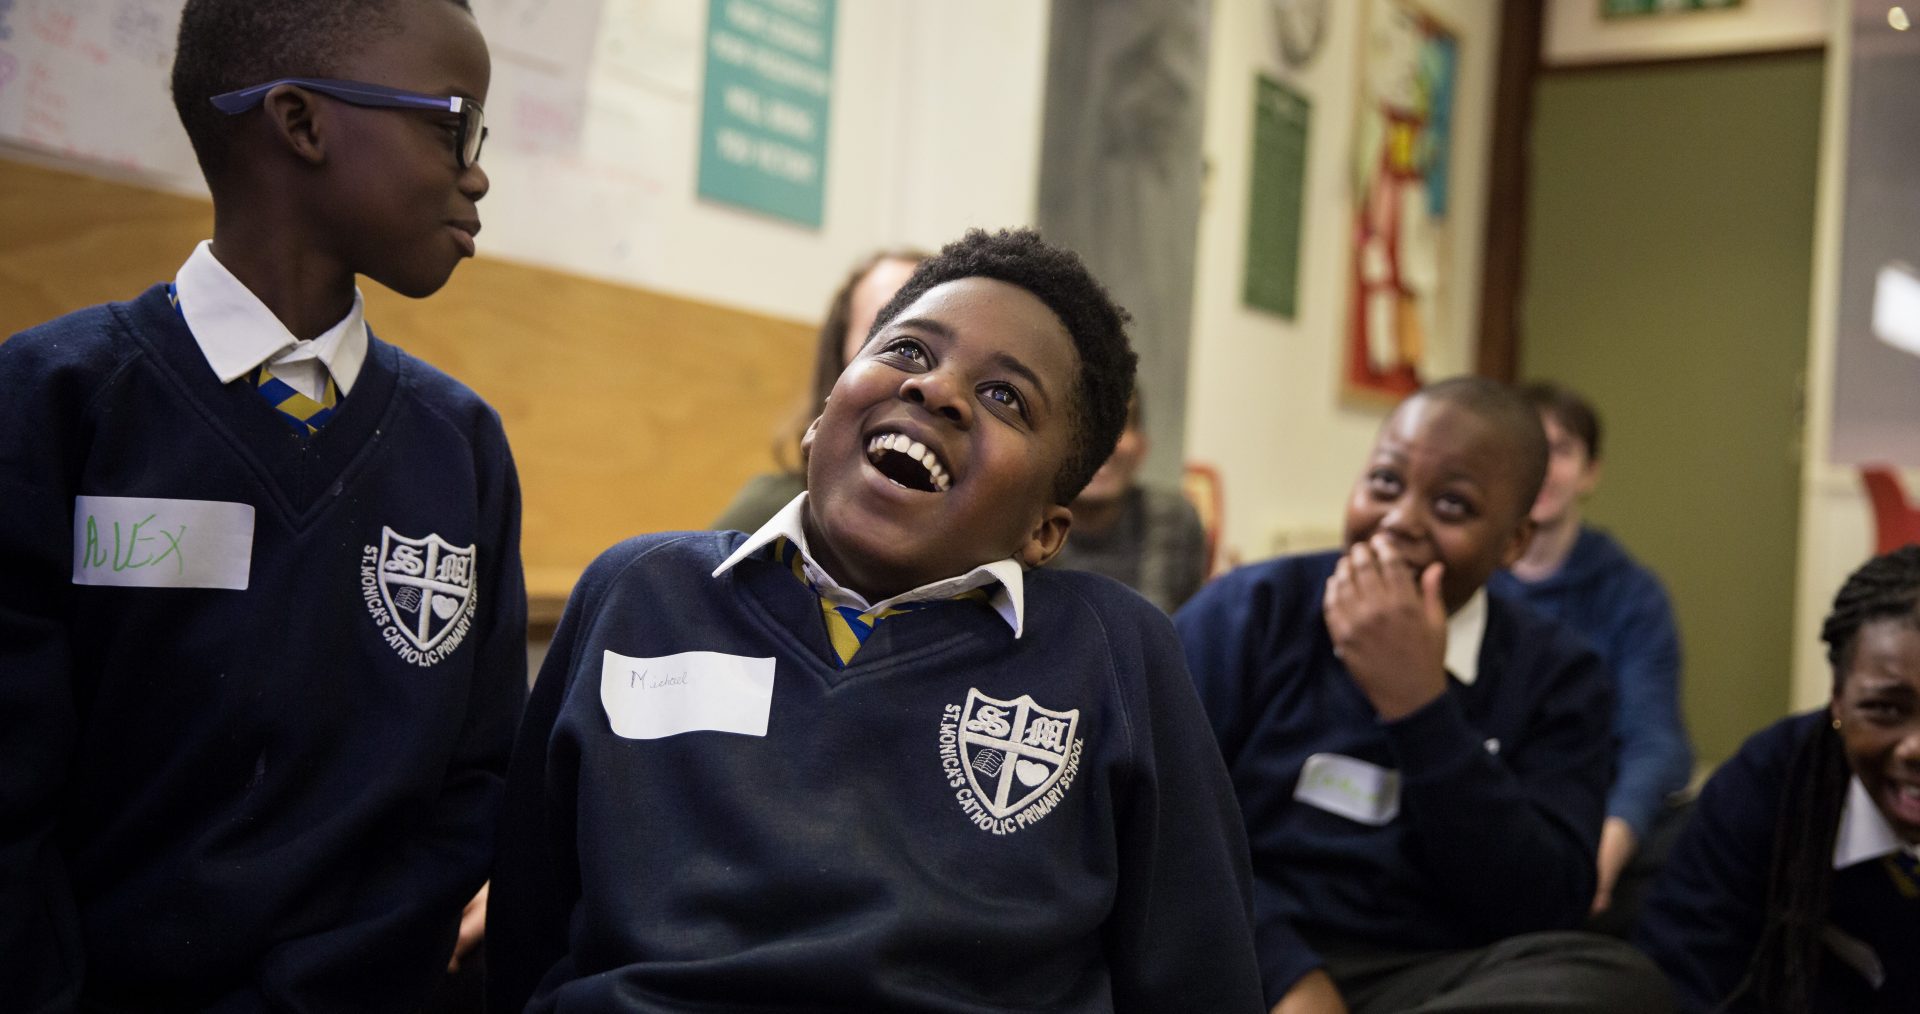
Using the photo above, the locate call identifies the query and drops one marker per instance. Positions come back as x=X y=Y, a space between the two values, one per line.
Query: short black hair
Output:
x=1057 y=277
x=226 y=45
x=1512 y=415
x=1574 y=413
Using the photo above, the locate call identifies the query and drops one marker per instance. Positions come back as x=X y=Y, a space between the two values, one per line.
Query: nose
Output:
x=940 y=392
x=1404 y=521
x=1906 y=753
x=474 y=183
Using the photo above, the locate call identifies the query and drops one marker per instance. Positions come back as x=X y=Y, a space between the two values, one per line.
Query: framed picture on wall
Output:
x=1400 y=280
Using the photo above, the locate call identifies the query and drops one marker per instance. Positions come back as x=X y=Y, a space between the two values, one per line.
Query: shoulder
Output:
x=1280 y=586
x=434 y=389
x=1081 y=596
x=55 y=371
x=1766 y=755
x=1606 y=559
x=90 y=339
x=666 y=555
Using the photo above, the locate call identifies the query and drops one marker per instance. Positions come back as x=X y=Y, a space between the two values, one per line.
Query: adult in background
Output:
x=869 y=285
x=1147 y=538
x=1582 y=577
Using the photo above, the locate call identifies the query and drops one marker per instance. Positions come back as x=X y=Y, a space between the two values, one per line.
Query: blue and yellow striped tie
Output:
x=305 y=414
x=847 y=627
x=1905 y=871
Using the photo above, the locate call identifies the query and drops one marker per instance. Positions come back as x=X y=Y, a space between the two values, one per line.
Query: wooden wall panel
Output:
x=629 y=411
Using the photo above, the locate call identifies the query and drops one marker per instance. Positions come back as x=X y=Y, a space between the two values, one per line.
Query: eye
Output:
x=1384 y=483
x=907 y=350
x=1453 y=507
x=1005 y=394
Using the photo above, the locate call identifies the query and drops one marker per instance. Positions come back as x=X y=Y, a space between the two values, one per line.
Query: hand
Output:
x=1389 y=628
x=473 y=926
x=1315 y=993
x=1617 y=844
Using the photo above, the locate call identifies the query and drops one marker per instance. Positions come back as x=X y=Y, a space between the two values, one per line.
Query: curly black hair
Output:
x=1057 y=277
x=226 y=45
x=1510 y=413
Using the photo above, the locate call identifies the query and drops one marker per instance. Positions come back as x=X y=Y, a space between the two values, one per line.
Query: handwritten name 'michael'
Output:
x=641 y=680
x=141 y=546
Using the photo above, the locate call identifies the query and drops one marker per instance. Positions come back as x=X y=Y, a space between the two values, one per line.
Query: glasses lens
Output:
x=473 y=133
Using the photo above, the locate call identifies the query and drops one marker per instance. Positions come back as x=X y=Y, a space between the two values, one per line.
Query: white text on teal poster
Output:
x=763 y=122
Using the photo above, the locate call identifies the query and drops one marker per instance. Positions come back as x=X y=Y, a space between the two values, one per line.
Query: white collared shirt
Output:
x=236 y=331
x=1466 y=628
x=1008 y=600
x=1864 y=834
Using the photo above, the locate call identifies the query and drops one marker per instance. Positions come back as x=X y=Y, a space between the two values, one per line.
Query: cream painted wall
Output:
x=1836 y=521
x=1263 y=401
x=934 y=127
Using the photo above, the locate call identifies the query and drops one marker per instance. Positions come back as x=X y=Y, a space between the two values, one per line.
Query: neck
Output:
x=306 y=288
x=1552 y=544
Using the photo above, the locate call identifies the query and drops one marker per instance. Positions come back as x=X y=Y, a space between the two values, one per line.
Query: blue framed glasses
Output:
x=472 y=120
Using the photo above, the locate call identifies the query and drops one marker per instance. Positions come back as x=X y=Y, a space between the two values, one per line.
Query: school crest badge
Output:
x=420 y=592
x=1009 y=762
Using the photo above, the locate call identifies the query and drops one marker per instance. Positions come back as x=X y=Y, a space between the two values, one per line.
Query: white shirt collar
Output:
x=1008 y=600
x=1864 y=832
x=236 y=331
x=1466 y=628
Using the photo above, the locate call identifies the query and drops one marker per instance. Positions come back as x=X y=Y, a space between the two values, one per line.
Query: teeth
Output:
x=900 y=443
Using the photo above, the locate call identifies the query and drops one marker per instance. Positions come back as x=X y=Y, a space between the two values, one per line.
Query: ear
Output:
x=298 y=122
x=1517 y=544
x=806 y=441
x=1048 y=536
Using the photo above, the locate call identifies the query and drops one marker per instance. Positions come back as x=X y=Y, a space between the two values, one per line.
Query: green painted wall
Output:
x=1668 y=268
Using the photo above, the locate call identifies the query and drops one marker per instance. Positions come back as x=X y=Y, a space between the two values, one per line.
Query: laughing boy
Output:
x=867 y=757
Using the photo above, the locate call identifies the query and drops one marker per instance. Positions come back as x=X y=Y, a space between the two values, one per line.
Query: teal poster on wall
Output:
x=763 y=121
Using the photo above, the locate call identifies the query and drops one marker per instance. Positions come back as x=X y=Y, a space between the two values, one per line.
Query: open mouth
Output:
x=908 y=463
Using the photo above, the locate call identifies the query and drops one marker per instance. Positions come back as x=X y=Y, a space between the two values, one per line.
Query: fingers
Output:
x=1433 y=602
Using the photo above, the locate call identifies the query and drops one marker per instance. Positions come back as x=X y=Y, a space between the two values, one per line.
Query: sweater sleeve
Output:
x=40 y=432
x=536 y=876
x=400 y=930
x=1487 y=816
x=1181 y=935
x=1704 y=916
x=1219 y=630
x=1655 y=760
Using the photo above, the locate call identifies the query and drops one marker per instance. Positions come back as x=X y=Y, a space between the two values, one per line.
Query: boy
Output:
x=1421 y=767
x=867 y=758
x=262 y=629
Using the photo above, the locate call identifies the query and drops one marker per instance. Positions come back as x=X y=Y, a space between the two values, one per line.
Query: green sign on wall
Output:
x=763 y=122
x=1274 y=210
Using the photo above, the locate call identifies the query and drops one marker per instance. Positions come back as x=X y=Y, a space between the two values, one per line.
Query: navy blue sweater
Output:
x=1502 y=782
x=247 y=799
x=1622 y=611
x=845 y=860
x=1704 y=917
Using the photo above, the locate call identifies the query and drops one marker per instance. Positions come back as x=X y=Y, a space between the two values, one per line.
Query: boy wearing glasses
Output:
x=262 y=623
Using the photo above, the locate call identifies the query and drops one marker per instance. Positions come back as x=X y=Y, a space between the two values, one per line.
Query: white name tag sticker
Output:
x=694 y=691
x=153 y=542
x=1350 y=788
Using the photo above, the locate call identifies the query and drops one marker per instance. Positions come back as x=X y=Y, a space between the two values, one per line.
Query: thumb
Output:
x=1436 y=607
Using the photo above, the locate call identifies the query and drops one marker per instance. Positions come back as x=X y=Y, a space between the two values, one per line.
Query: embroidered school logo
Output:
x=420 y=592
x=1009 y=762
